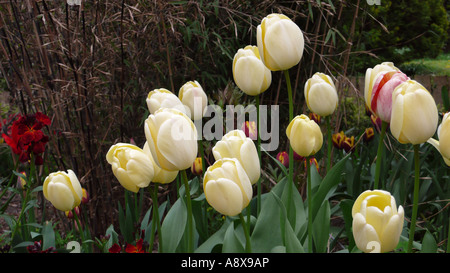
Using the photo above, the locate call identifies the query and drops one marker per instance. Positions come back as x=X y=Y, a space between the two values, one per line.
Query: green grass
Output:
x=438 y=66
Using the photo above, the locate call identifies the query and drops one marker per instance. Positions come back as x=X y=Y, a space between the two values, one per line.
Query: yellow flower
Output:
x=414 y=116
x=227 y=187
x=172 y=139
x=192 y=95
x=376 y=221
x=161 y=176
x=443 y=144
x=320 y=94
x=249 y=72
x=304 y=135
x=63 y=190
x=280 y=42
x=235 y=144
x=163 y=98
x=130 y=165
x=197 y=167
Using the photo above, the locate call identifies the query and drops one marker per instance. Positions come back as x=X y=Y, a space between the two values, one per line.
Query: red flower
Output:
x=115 y=248
x=25 y=137
x=135 y=249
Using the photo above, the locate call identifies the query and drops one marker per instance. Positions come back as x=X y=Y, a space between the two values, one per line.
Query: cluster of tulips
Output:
x=172 y=144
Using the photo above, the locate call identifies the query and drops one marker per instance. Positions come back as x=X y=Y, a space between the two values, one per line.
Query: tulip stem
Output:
x=379 y=154
x=258 y=147
x=328 y=120
x=156 y=217
x=309 y=196
x=248 y=247
x=291 y=116
x=190 y=226
x=412 y=227
x=77 y=222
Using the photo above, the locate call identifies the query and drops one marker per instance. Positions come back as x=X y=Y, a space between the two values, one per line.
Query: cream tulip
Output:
x=192 y=95
x=280 y=42
x=376 y=221
x=63 y=190
x=161 y=176
x=443 y=144
x=227 y=187
x=130 y=165
x=320 y=94
x=163 y=98
x=304 y=135
x=172 y=139
x=371 y=76
x=414 y=117
x=249 y=72
x=235 y=144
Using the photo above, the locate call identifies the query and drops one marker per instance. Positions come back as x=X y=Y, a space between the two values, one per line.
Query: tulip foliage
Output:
x=231 y=195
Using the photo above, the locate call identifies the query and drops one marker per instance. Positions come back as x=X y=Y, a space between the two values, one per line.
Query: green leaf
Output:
x=291 y=241
x=174 y=226
x=429 y=243
x=231 y=243
x=48 y=236
x=328 y=185
x=214 y=240
x=321 y=228
x=346 y=207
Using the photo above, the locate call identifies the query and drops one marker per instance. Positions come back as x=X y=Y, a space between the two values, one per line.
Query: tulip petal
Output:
x=322 y=99
x=224 y=196
x=364 y=234
x=60 y=196
x=392 y=230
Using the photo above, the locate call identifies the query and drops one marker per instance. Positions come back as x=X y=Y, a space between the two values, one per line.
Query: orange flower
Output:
x=368 y=134
x=135 y=249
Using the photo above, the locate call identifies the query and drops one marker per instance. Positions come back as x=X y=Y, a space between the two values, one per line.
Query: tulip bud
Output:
x=280 y=42
x=227 y=187
x=197 y=167
x=235 y=144
x=63 y=190
x=85 y=198
x=130 y=165
x=69 y=213
x=337 y=139
x=283 y=157
x=376 y=122
x=161 y=176
x=368 y=135
x=304 y=135
x=21 y=182
x=443 y=144
x=172 y=139
x=163 y=98
x=320 y=94
x=192 y=95
x=298 y=157
x=371 y=75
x=414 y=113
x=249 y=72
x=348 y=144
x=250 y=130
x=315 y=117
x=377 y=221
x=312 y=160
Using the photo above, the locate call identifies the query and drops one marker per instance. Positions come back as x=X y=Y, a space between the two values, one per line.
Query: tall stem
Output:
x=248 y=247
x=309 y=196
x=156 y=217
x=379 y=155
x=258 y=147
x=328 y=121
x=412 y=227
x=189 y=210
x=291 y=116
x=78 y=223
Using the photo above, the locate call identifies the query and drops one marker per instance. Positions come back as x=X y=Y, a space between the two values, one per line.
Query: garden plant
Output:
x=271 y=156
